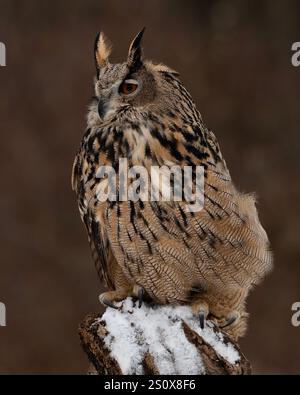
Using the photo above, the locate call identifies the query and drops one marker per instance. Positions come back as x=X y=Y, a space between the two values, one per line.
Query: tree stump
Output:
x=158 y=340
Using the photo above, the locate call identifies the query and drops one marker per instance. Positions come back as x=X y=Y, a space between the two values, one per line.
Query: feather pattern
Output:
x=216 y=254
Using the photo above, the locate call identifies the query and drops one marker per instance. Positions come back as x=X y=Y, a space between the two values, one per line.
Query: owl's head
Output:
x=135 y=84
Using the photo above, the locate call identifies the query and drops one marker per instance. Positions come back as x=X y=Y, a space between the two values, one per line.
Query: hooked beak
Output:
x=108 y=103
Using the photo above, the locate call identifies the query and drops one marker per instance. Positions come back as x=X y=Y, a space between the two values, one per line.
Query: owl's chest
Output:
x=108 y=154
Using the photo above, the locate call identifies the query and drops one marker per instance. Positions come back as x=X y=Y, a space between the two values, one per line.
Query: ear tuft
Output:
x=103 y=49
x=135 y=50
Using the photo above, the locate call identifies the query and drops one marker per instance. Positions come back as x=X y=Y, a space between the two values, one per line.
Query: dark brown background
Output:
x=235 y=58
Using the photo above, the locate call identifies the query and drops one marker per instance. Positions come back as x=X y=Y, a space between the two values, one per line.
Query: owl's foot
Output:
x=108 y=298
x=201 y=309
x=229 y=320
x=234 y=324
x=138 y=292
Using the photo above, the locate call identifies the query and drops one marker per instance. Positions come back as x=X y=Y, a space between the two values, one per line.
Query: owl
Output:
x=157 y=250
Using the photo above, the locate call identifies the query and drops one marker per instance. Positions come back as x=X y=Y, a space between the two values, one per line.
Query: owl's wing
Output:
x=172 y=252
x=97 y=239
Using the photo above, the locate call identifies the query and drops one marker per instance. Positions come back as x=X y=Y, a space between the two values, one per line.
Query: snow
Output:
x=158 y=330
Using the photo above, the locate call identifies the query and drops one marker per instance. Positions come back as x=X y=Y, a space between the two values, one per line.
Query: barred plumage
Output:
x=211 y=258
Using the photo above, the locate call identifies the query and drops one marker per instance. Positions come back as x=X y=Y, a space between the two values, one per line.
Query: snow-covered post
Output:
x=158 y=340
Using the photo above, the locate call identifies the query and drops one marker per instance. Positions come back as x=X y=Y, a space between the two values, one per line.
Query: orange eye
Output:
x=128 y=87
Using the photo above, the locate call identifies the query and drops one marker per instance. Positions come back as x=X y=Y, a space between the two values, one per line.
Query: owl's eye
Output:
x=128 y=86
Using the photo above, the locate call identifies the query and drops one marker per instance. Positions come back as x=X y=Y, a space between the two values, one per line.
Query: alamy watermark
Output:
x=296 y=54
x=2 y=55
x=160 y=183
x=296 y=314
x=2 y=314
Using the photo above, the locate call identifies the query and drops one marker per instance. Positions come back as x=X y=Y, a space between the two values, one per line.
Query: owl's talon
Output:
x=106 y=302
x=202 y=318
x=138 y=293
x=141 y=294
x=201 y=310
x=230 y=320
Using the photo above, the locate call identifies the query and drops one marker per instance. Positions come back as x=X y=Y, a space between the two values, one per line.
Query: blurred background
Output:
x=235 y=58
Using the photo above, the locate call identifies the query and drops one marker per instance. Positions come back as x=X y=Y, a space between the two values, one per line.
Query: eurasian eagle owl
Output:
x=157 y=249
